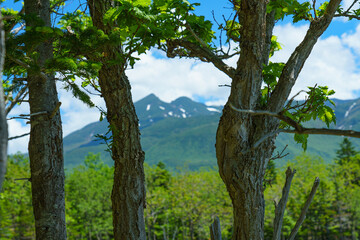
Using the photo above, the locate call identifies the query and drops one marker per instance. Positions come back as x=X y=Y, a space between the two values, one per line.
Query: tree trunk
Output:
x=128 y=193
x=242 y=155
x=45 y=146
x=3 y=124
x=242 y=168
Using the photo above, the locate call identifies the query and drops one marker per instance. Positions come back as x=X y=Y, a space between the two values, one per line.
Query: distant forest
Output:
x=182 y=204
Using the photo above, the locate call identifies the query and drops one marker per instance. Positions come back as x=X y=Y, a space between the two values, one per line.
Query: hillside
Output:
x=182 y=134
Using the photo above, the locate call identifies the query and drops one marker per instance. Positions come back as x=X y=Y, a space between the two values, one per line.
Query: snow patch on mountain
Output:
x=148 y=107
x=161 y=107
x=348 y=111
x=213 y=109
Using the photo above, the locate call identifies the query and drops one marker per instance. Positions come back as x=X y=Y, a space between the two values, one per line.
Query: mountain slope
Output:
x=182 y=133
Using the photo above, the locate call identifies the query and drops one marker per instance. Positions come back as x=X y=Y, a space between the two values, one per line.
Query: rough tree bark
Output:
x=242 y=160
x=3 y=124
x=245 y=141
x=45 y=145
x=128 y=193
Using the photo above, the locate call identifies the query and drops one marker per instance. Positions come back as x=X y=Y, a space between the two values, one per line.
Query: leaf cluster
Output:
x=298 y=10
x=315 y=106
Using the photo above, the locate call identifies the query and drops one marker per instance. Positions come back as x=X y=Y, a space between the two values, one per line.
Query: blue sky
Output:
x=335 y=62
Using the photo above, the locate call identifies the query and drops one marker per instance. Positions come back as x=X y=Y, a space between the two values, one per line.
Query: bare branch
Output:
x=314 y=8
x=19 y=136
x=56 y=109
x=280 y=207
x=22 y=93
x=350 y=7
x=21 y=179
x=280 y=154
x=305 y=209
x=296 y=61
x=17 y=30
x=347 y=15
x=13 y=24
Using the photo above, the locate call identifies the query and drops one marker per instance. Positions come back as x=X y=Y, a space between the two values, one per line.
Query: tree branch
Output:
x=347 y=15
x=14 y=23
x=19 y=136
x=324 y=131
x=280 y=207
x=304 y=209
x=296 y=61
x=297 y=127
x=19 y=95
x=202 y=43
x=194 y=50
x=350 y=7
x=26 y=66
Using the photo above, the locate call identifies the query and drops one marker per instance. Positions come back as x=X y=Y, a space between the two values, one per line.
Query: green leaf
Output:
x=301 y=138
x=142 y=3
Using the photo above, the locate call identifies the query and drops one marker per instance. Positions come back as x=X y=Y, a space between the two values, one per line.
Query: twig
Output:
x=19 y=136
x=26 y=66
x=280 y=207
x=224 y=85
x=25 y=118
x=348 y=10
x=305 y=209
x=16 y=99
x=314 y=8
x=347 y=15
x=19 y=179
x=33 y=114
x=280 y=154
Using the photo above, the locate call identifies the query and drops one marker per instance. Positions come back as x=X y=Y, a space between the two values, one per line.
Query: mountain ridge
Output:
x=183 y=131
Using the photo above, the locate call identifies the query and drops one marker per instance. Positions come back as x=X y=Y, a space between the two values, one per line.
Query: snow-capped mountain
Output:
x=151 y=109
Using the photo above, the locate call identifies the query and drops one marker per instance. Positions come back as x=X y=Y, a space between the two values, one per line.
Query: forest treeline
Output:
x=182 y=204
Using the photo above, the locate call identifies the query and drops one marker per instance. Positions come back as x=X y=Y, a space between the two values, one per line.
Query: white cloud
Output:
x=331 y=63
x=17 y=128
x=173 y=78
x=352 y=40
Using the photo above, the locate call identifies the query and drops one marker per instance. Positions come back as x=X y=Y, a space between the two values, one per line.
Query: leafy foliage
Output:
x=182 y=204
x=316 y=106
